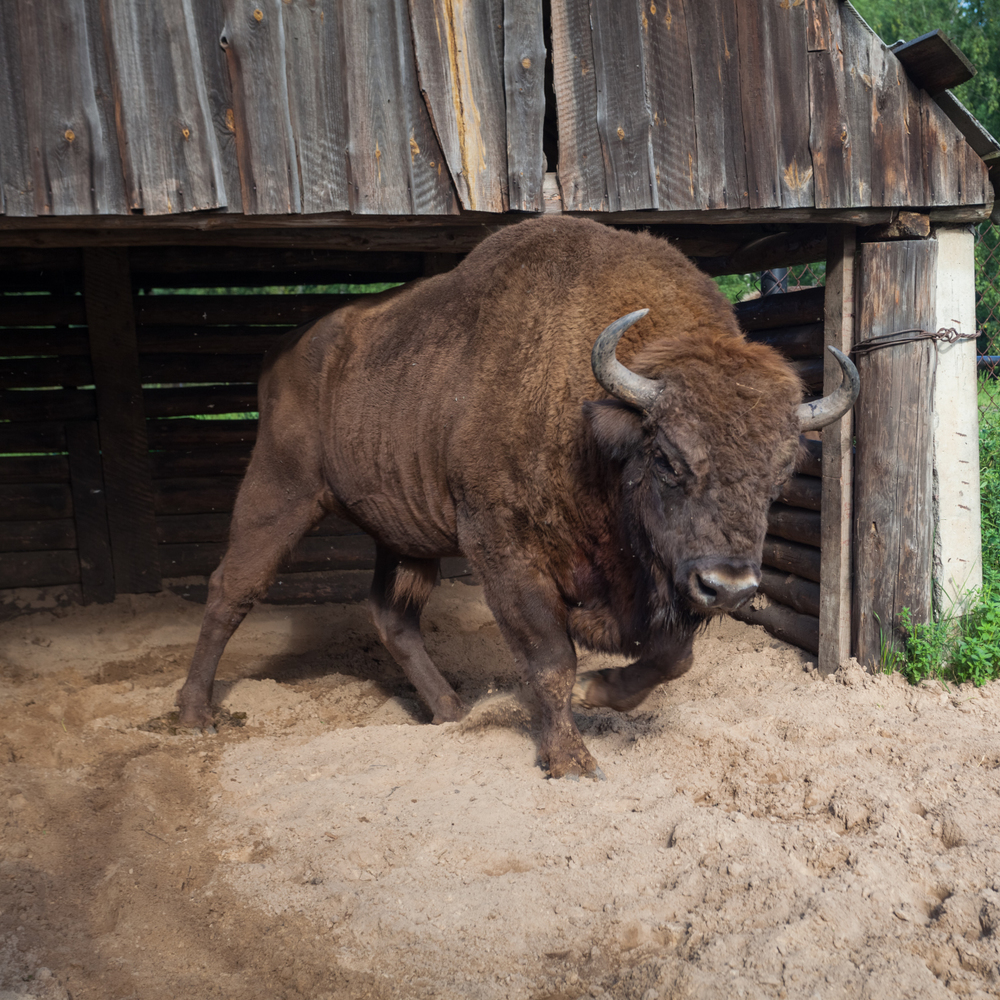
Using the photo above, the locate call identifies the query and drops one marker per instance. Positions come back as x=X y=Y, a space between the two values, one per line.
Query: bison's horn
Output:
x=813 y=416
x=636 y=390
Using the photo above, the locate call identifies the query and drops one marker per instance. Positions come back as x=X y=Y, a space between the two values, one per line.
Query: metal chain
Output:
x=946 y=333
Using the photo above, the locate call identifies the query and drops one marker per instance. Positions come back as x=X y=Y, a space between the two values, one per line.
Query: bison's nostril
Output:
x=702 y=592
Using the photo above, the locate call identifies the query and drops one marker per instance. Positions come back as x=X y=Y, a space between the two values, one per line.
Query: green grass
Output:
x=964 y=647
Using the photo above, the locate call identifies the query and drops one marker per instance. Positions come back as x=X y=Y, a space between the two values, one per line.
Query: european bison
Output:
x=616 y=505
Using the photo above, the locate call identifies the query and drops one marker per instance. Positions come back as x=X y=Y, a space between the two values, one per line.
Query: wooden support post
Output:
x=107 y=293
x=893 y=512
x=835 y=559
x=93 y=540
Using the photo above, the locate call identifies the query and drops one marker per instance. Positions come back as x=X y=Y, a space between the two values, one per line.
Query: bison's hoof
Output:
x=449 y=709
x=590 y=690
x=199 y=718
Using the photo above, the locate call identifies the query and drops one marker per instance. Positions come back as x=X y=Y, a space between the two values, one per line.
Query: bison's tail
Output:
x=413 y=582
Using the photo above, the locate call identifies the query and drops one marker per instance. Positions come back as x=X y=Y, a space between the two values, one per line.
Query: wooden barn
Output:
x=150 y=152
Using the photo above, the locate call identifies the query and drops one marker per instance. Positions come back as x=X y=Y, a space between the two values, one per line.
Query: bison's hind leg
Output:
x=400 y=589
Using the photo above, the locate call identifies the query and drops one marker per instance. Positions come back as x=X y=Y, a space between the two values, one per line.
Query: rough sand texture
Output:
x=763 y=832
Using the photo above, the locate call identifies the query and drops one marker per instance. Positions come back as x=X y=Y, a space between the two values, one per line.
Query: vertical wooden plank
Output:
x=830 y=131
x=835 y=545
x=715 y=62
x=75 y=164
x=93 y=539
x=858 y=44
x=524 y=84
x=668 y=60
x=209 y=19
x=893 y=503
x=16 y=196
x=953 y=173
x=581 y=161
x=124 y=451
x=897 y=150
x=395 y=165
x=254 y=40
x=773 y=70
x=314 y=59
x=169 y=153
x=460 y=65
x=624 y=122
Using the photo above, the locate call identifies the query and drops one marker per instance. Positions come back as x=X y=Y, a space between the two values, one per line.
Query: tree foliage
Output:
x=973 y=25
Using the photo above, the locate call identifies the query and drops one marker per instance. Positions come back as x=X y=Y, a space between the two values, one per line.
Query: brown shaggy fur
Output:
x=460 y=415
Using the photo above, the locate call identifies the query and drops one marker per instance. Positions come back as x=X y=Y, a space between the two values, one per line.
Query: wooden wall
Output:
x=300 y=107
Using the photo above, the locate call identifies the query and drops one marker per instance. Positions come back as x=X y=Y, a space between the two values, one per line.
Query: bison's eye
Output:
x=666 y=470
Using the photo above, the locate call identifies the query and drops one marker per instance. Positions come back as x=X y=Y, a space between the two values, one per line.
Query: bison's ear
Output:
x=617 y=428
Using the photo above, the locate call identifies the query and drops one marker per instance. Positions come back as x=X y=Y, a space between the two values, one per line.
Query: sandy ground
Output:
x=763 y=831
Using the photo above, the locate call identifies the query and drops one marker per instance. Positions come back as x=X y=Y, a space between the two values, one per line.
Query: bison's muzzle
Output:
x=715 y=585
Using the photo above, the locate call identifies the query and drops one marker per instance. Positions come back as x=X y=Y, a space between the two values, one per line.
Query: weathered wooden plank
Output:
x=121 y=419
x=624 y=122
x=346 y=586
x=804 y=245
x=16 y=176
x=37 y=536
x=581 y=161
x=18 y=438
x=524 y=86
x=17 y=373
x=831 y=130
x=314 y=59
x=183 y=266
x=795 y=524
x=934 y=62
x=789 y=309
x=175 y=434
x=810 y=458
x=667 y=60
x=35 y=501
x=950 y=165
x=196 y=495
x=837 y=462
x=165 y=368
x=229 y=461
x=194 y=400
x=47 y=404
x=897 y=149
x=41 y=310
x=460 y=65
x=783 y=623
x=38 y=569
x=221 y=341
x=857 y=44
x=209 y=24
x=792 y=557
x=802 y=491
x=722 y=162
x=90 y=512
x=804 y=341
x=254 y=40
x=893 y=516
x=170 y=156
x=786 y=588
x=75 y=164
x=212 y=310
x=34 y=469
x=773 y=61
x=395 y=162
x=810 y=370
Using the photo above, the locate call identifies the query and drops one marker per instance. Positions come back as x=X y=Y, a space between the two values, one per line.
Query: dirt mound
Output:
x=763 y=832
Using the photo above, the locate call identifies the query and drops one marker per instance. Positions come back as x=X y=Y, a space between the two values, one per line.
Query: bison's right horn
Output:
x=813 y=416
x=636 y=390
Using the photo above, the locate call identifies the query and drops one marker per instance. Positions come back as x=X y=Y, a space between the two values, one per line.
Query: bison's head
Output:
x=705 y=440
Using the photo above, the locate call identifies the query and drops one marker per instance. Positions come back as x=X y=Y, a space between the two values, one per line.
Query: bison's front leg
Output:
x=625 y=688
x=533 y=623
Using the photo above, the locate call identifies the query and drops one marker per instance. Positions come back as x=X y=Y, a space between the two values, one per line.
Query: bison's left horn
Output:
x=813 y=416
x=636 y=390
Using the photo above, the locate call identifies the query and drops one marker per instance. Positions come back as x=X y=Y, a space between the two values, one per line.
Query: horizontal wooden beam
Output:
x=783 y=623
x=794 y=591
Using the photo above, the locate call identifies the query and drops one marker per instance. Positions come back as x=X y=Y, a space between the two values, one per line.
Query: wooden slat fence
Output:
x=426 y=107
